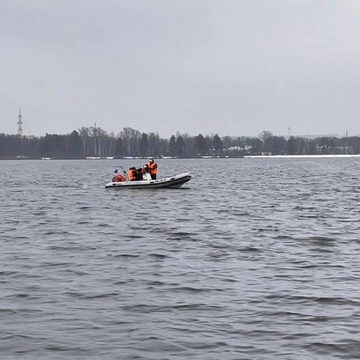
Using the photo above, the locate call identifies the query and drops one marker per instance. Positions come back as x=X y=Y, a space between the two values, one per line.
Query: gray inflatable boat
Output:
x=173 y=182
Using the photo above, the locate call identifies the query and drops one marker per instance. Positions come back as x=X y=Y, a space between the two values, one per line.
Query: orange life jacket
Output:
x=119 y=178
x=152 y=167
x=132 y=175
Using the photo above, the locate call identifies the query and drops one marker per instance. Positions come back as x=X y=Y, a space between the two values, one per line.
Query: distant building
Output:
x=325 y=149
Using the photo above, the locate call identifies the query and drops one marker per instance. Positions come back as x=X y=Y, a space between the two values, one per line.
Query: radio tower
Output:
x=19 y=124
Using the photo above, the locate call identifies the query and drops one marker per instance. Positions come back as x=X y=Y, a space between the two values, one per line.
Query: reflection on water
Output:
x=253 y=258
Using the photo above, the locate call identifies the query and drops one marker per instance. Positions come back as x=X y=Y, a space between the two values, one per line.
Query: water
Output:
x=252 y=259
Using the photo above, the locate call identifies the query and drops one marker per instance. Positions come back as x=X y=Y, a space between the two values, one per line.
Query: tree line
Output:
x=94 y=141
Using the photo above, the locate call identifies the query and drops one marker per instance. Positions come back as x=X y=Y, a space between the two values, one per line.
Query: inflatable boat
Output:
x=173 y=182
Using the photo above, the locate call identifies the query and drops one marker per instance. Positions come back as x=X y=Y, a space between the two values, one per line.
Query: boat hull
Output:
x=172 y=182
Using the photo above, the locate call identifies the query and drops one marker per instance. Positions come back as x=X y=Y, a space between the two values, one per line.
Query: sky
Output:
x=231 y=67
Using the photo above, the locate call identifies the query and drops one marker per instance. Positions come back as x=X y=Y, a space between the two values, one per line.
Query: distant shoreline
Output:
x=116 y=158
x=303 y=156
x=22 y=158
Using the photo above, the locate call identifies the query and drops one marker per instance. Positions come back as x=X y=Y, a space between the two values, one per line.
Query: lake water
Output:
x=252 y=259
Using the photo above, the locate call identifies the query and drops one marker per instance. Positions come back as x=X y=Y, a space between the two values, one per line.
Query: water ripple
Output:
x=262 y=265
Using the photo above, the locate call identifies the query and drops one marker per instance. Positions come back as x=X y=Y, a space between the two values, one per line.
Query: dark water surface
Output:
x=252 y=259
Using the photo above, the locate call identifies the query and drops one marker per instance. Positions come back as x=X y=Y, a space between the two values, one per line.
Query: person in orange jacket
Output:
x=118 y=177
x=135 y=174
x=132 y=176
x=151 y=167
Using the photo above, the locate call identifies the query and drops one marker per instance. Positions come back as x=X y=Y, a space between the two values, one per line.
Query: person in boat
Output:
x=135 y=174
x=139 y=173
x=151 y=167
x=118 y=177
x=132 y=174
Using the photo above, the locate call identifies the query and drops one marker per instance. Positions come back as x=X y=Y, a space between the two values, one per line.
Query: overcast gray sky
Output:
x=232 y=67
